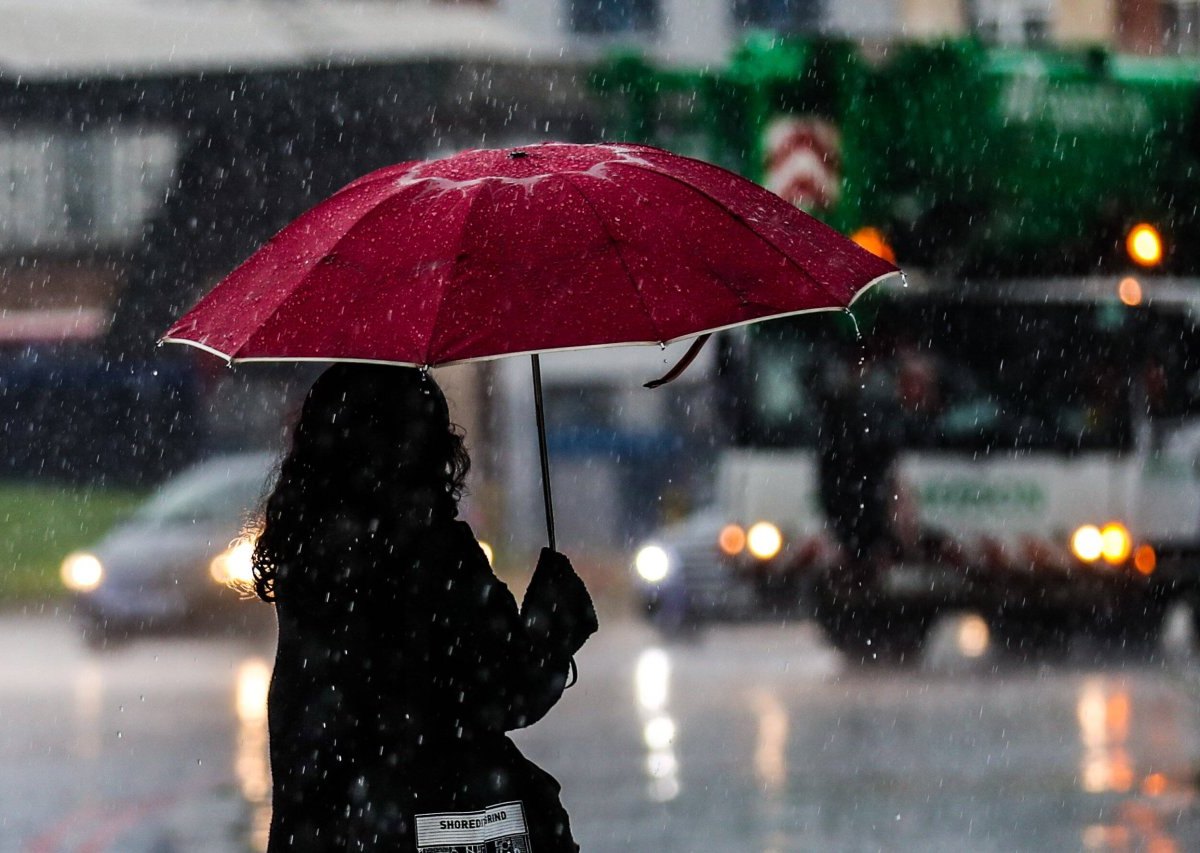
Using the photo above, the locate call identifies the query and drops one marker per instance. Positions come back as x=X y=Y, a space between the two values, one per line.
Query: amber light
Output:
x=873 y=241
x=1154 y=785
x=1144 y=245
x=732 y=539
x=1115 y=543
x=1129 y=291
x=1145 y=560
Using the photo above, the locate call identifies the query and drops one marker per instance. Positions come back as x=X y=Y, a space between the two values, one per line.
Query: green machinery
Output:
x=967 y=160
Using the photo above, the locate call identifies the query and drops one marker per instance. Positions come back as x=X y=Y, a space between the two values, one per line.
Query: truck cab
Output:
x=1046 y=440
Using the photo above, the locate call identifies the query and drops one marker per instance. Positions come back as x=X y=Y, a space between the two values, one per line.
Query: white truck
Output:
x=1048 y=477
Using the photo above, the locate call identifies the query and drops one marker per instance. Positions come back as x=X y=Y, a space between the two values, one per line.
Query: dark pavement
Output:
x=744 y=738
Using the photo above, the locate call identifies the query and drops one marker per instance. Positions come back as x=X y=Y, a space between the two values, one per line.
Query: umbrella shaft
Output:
x=541 y=426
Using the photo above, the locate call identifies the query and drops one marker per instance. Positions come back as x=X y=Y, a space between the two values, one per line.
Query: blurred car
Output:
x=681 y=578
x=183 y=558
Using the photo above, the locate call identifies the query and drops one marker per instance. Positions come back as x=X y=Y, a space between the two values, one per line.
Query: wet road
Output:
x=749 y=738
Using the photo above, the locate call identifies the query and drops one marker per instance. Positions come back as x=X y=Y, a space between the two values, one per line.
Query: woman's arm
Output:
x=501 y=669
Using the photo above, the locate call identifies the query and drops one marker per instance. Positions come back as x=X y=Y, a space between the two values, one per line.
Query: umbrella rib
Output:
x=437 y=314
x=331 y=249
x=637 y=291
x=746 y=225
x=394 y=199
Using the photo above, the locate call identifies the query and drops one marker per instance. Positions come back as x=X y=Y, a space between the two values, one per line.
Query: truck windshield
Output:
x=954 y=375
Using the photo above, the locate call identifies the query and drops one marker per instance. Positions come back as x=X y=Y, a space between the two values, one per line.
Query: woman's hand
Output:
x=558 y=610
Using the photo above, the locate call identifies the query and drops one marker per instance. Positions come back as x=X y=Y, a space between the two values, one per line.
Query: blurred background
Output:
x=1016 y=669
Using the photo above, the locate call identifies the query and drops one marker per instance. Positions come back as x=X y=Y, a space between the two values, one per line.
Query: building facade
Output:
x=695 y=31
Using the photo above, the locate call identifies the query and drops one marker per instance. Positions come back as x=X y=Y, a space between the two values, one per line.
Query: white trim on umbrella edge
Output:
x=230 y=361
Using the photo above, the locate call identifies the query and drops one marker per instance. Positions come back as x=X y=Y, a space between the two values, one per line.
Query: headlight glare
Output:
x=652 y=563
x=82 y=572
x=1116 y=543
x=234 y=566
x=764 y=540
x=1088 y=543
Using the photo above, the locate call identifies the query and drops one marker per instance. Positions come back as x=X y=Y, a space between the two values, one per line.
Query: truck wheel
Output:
x=1133 y=631
x=671 y=618
x=874 y=634
x=1029 y=637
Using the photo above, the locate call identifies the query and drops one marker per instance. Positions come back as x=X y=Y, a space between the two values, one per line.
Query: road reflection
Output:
x=770 y=749
x=750 y=738
x=1103 y=712
x=652 y=687
x=250 y=761
x=1142 y=819
x=88 y=690
x=771 y=767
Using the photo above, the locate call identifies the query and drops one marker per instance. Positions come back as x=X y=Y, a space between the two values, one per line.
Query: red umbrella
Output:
x=526 y=250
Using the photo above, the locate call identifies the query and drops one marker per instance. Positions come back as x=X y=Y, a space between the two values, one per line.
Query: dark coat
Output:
x=393 y=700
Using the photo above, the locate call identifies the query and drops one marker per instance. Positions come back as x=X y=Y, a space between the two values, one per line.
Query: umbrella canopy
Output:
x=547 y=247
x=526 y=250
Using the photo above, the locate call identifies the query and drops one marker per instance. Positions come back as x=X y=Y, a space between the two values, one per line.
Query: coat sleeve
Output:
x=496 y=670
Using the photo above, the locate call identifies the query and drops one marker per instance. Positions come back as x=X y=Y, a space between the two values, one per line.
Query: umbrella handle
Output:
x=541 y=426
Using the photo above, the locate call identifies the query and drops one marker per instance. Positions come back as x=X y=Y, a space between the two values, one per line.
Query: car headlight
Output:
x=1112 y=543
x=1087 y=543
x=652 y=563
x=1116 y=543
x=82 y=572
x=235 y=565
x=764 y=540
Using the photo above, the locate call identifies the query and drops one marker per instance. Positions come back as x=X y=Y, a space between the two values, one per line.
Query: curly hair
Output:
x=374 y=458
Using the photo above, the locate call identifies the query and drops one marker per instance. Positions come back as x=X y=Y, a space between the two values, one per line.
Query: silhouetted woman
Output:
x=402 y=659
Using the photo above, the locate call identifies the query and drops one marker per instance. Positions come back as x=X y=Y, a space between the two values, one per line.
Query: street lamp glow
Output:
x=1144 y=245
